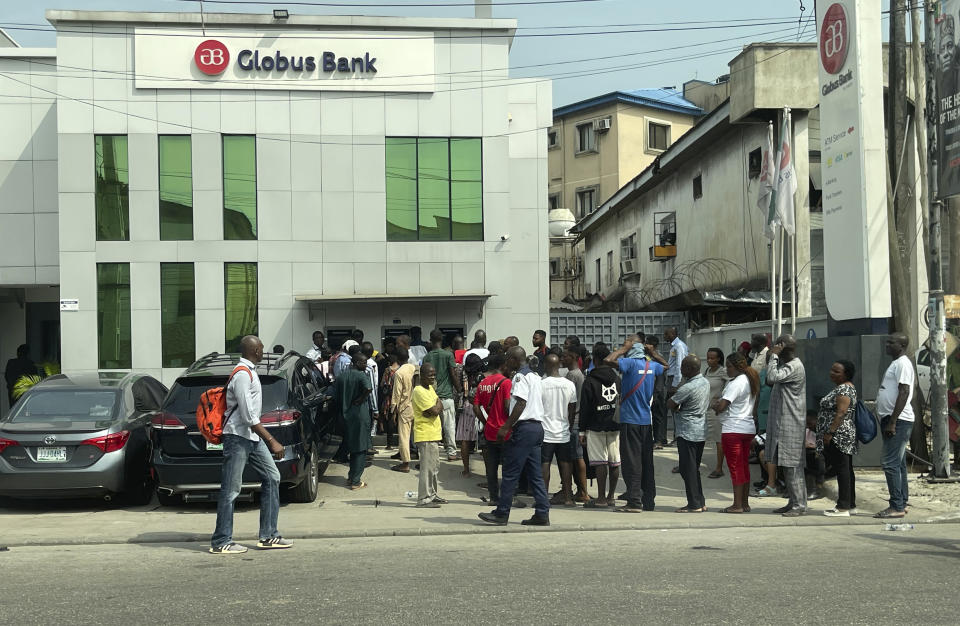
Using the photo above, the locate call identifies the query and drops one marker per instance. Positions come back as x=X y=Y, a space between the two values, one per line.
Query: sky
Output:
x=574 y=42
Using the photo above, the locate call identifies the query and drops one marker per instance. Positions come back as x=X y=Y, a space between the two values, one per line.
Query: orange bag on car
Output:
x=212 y=409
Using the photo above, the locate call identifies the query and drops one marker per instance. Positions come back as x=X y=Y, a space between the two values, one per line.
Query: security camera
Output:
x=505 y=237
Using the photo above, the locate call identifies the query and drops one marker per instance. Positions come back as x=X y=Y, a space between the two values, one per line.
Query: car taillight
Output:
x=6 y=443
x=166 y=421
x=109 y=443
x=279 y=418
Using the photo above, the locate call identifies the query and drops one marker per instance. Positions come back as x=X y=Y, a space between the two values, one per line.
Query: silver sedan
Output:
x=80 y=436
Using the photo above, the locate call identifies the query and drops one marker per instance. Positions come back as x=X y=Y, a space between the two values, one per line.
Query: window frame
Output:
x=160 y=176
x=555 y=267
x=595 y=190
x=256 y=318
x=450 y=183
x=555 y=144
x=165 y=348
x=223 y=183
x=592 y=133
x=698 y=186
x=123 y=202
x=610 y=280
x=628 y=247
x=650 y=122
x=122 y=322
x=556 y=195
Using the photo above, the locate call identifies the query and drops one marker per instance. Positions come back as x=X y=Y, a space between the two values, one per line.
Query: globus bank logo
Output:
x=211 y=57
x=834 y=39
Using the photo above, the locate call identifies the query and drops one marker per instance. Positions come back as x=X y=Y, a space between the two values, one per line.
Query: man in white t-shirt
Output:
x=896 y=420
x=522 y=452
x=559 y=410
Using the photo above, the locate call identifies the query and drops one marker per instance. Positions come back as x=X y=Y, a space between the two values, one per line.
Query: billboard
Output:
x=948 y=98
x=855 y=249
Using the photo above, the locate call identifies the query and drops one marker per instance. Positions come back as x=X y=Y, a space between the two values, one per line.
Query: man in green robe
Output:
x=352 y=394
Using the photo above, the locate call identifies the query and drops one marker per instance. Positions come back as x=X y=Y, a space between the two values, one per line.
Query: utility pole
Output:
x=938 y=358
x=899 y=198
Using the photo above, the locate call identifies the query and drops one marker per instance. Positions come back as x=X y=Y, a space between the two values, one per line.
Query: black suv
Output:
x=295 y=410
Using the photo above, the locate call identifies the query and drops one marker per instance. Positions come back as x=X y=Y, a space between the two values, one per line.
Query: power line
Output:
x=126 y=74
x=304 y=141
x=375 y=37
x=496 y=82
x=392 y=4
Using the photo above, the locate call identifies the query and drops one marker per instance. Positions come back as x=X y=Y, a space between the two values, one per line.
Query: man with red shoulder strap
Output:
x=245 y=440
x=639 y=372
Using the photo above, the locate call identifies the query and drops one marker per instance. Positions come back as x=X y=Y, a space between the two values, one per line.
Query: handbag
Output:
x=866 y=423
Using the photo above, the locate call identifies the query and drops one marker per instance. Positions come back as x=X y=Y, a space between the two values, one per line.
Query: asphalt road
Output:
x=758 y=575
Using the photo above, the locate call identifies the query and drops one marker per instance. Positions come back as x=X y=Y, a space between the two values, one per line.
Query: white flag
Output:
x=786 y=179
x=768 y=174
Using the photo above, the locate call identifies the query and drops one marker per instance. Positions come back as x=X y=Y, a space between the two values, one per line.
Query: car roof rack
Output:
x=214 y=359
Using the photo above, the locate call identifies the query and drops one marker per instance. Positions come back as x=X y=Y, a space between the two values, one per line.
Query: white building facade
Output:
x=250 y=175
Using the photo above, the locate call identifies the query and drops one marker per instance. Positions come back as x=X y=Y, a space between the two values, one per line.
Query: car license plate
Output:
x=52 y=455
x=214 y=446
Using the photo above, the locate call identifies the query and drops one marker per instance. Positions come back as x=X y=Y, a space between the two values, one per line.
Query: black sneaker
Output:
x=440 y=500
x=536 y=520
x=782 y=509
x=493 y=518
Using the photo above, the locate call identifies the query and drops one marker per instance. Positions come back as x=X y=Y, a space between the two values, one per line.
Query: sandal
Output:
x=715 y=474
x=595 y=504
x=730 y=509
x=766 y=492
x=356 y=487
x=687 y=509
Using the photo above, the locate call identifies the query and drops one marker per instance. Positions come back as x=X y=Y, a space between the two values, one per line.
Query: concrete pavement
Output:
x=795 y=575
x=382 y=509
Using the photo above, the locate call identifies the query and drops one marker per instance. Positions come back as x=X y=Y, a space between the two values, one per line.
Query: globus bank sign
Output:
x=212 y=58
x=341 y=61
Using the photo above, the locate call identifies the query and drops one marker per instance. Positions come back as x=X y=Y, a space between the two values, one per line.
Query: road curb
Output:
x=652 y=525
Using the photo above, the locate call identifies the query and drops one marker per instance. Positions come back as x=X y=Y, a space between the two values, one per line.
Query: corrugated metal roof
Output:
x=664 y=99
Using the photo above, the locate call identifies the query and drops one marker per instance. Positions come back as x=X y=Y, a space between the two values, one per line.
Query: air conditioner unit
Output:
x=628 y=266
x=602 y=125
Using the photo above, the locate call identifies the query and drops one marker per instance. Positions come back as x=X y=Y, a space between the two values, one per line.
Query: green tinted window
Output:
x=176 y=188
x=433 y=189
x=177 y=314
x=240 y=302
x=401 y=163
x=239 y=187
x=112 y=196
x=113 y=315
x=466 y=190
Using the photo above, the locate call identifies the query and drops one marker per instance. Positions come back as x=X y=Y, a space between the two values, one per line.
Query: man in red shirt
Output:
x=490 y=405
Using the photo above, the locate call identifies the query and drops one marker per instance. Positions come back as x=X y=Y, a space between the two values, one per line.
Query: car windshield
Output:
x=73 y=409
x=185 y=394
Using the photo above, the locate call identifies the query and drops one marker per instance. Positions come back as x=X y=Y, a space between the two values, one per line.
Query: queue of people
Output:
x=601 y=413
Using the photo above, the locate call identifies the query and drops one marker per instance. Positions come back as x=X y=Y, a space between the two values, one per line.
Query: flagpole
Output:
x=793 y=285
x=773 y=286
x=783 y=236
